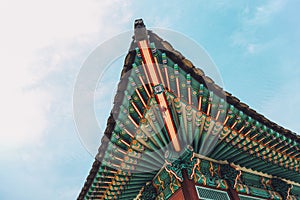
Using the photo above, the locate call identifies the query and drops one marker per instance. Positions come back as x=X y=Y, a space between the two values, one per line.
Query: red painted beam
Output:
x=152 y=73
x=233 y=194
x=188 y=187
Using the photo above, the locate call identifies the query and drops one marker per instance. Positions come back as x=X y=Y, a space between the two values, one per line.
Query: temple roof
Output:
x=237 y=133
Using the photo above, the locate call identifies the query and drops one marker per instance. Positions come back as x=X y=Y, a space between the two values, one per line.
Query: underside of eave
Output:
x=196 y=73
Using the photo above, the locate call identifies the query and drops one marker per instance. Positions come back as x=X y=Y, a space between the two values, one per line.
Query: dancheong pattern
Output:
x=168 y=116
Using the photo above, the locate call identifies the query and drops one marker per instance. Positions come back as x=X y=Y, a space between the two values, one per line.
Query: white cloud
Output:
x=265 y=12
x=36 y=38
x=42 y=46
x=23 y=115
x=252 y=21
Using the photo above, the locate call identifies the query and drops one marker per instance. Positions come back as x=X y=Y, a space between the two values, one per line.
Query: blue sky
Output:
x=255 y=45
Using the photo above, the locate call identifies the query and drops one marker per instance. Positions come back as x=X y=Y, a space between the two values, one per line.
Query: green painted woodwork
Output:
x=166 y=184
x=187 y=160
x=149 y=192
x=218 y=130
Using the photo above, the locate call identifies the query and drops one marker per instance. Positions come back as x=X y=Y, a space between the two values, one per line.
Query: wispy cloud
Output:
x=36 y=38
x=283 y=107
x=264 y=13
x=263 y=37
x=252 y=20
x=42 y=47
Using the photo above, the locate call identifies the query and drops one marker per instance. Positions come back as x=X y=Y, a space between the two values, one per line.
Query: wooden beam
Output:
x=188 y=187
x=233 y=194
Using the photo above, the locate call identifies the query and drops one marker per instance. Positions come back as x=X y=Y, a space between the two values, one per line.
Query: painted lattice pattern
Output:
x=211 y=194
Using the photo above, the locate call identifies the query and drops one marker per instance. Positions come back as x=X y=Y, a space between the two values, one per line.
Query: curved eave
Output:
x=197 y=74
x=110 y=125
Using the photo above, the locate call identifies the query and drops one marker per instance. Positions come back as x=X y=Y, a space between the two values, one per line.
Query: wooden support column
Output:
x=188 y=187
x=230 y=174
x=233 y=194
